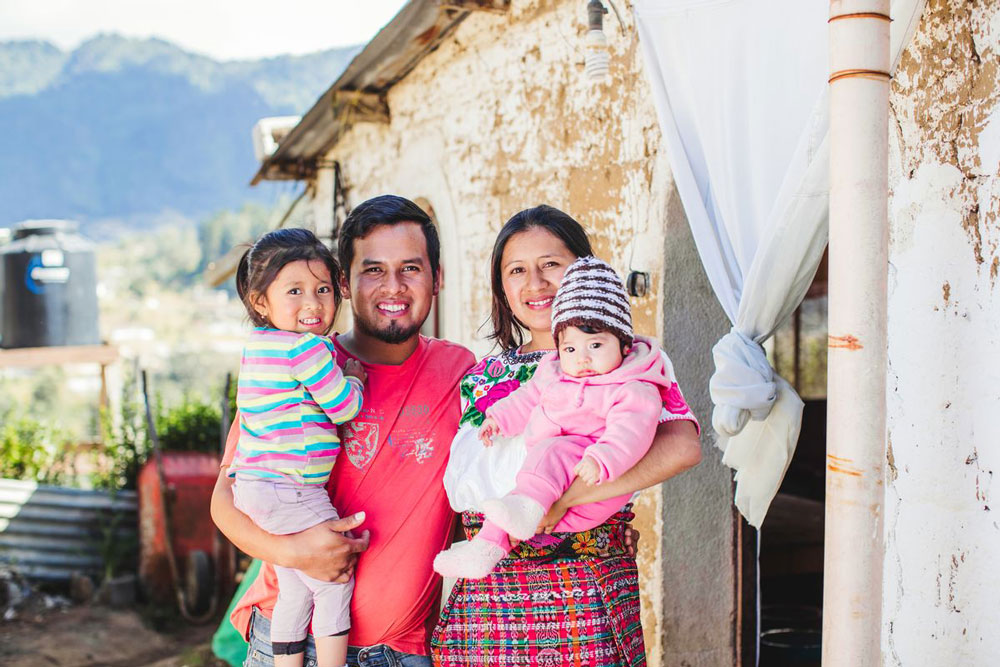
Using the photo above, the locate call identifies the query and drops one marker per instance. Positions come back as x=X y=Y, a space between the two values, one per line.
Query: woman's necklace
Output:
x=515 y=355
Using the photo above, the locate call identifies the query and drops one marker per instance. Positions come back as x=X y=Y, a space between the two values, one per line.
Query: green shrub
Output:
x=34 y=451
x=192 y=426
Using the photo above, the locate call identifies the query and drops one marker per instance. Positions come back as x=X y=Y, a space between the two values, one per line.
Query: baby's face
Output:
x=584 y=355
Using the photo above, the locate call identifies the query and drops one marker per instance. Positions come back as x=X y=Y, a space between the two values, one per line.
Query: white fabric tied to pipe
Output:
x=742 y=386
x=740 y=88
x=757 y=417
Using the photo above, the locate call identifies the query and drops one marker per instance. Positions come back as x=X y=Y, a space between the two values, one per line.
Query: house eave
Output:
x=359 y=93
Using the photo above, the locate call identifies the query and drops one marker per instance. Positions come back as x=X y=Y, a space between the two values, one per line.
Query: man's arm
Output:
x=322 y=551
x=675 y=449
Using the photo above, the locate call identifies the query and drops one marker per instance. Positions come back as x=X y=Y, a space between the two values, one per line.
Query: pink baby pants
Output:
x=545 y=475
x=281 y=508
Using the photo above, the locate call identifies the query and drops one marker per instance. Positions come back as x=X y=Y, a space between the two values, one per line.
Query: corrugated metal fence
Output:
x=49 y=532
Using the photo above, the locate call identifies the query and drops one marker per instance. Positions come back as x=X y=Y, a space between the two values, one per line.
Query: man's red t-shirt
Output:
x=391 y=462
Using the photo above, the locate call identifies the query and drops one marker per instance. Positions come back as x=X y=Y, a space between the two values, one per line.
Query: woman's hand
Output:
x=558 y=511
x=488 y=431
x=327 y=551
x=552 y=518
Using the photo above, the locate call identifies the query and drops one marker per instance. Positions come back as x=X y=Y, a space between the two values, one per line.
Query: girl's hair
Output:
x=507 y=329
x=260 y=265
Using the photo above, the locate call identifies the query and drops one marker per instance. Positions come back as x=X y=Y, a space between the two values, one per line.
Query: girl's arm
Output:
x=322 y=552
x=313 y=365
x=675 y=448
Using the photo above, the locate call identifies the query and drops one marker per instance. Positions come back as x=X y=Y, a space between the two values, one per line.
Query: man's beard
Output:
x=392 y=334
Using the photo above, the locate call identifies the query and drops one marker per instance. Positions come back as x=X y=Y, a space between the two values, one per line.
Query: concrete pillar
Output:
x=699 y=565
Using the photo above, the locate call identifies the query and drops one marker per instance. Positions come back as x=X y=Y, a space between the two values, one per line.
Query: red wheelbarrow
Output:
x=182 y=555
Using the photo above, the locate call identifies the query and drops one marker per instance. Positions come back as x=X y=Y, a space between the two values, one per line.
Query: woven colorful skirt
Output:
x=560 y=599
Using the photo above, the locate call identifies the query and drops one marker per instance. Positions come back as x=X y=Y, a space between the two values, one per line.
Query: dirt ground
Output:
x=80 y=636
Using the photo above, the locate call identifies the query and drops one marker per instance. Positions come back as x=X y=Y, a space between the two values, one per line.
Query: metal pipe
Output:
x=854 y=542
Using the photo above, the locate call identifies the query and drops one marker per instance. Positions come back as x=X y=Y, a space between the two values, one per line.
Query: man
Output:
x=388 y=474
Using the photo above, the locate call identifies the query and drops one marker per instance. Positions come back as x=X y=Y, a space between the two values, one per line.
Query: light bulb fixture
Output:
x=597 y=58
x=637 y=283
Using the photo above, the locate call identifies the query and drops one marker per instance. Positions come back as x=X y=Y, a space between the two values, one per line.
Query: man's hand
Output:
x=327 y=551
x=353 y=368
x=588 y=470
x=631 y=541
x=488 y=431
x=552 y=517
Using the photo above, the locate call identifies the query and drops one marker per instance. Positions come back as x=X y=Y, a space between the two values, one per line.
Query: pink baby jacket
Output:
x=617 y=411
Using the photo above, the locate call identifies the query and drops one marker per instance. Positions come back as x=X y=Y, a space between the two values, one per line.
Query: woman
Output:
x=558 y=598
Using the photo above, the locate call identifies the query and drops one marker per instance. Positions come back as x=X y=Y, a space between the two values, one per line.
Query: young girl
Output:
x=291 y=396
x=590 y=411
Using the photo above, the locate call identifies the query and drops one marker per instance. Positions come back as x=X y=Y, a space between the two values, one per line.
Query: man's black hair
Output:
x=385 y=210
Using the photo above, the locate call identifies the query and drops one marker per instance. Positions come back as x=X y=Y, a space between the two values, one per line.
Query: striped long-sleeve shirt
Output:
x=291 y=396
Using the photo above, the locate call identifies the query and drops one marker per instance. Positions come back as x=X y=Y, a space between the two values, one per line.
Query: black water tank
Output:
x=5 y=234
x=50 y=286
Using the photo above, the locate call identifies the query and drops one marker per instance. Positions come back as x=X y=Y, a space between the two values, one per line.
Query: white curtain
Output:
x=740 y=87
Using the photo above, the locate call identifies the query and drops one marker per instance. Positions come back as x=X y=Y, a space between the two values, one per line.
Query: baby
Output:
x=590 y=411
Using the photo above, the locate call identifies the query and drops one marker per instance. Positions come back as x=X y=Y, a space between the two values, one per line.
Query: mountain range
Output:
x=120 y=133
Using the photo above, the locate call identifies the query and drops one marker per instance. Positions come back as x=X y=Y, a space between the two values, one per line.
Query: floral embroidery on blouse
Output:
x=493 y=378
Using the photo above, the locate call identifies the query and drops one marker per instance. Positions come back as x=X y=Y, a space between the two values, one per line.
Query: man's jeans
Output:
x=380 y=655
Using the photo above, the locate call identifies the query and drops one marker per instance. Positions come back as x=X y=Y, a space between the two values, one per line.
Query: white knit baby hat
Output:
x=592 y=294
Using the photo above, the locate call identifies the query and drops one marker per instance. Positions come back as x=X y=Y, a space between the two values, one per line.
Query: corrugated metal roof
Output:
x=50 y=532
x=358 y=95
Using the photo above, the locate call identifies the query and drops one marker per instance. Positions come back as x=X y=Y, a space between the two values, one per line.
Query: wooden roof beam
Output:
x=352 y=106
x=495 y=6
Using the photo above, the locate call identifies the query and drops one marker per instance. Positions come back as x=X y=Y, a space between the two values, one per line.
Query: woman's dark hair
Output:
x=506 y=327
x=260 y=265
x=386 y=210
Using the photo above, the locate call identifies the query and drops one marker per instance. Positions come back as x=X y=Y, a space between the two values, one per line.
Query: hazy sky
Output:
x=223 y=29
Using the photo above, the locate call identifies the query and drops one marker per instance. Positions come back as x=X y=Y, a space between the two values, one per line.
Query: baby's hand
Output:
x=353 y=368
x=489 y=429
x=588 y=470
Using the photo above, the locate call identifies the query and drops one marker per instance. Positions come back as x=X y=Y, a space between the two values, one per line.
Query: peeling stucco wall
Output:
x=942 y=529
x=500 y=118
